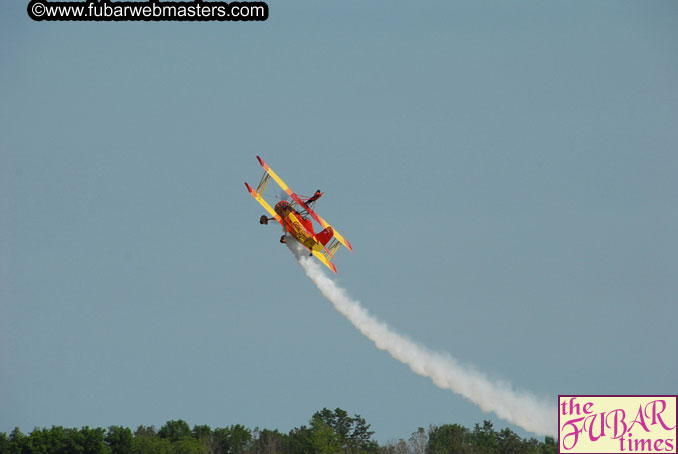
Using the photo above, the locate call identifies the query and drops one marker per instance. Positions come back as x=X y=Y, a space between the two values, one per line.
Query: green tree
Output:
x=337 y=420
x=329 y=432
x=120 y=439
x=485 y=438
x=151 y=445
x=268 y=442
x=240 y=439
x=188 y=446
x=449 y=439
x=231 y=440
x=531 y=446
x=299 y=440
x=41 y=440
x=145 y=431
x=202 y=433
x=147 y=441
x=353 y=433
x=550 y=446
x=509 y=442
x=73 y=441
x=324 y=439
x=175 y=430
x=57 y=439
x=4 y=443
x=92 y=441
x=19 y=443
x=360 y=439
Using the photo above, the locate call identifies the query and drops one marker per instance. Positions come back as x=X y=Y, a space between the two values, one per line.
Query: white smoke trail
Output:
x=519 y=408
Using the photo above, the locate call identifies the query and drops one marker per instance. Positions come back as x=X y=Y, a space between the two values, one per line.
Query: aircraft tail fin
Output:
x=326 y=235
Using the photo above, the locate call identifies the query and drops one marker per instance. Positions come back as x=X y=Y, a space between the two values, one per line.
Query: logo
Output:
x=617 y=424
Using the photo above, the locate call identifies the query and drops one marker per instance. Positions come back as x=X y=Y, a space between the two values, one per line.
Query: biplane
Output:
x=295 y=217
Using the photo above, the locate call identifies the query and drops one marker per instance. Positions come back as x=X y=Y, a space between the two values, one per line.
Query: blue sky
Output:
x=506 y=173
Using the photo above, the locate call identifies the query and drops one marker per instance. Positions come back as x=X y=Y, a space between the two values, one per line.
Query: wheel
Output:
x=283 y=239
x=263 y=220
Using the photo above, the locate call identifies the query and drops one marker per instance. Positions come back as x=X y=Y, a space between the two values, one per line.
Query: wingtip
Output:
x=249 y=188
x=261 y=161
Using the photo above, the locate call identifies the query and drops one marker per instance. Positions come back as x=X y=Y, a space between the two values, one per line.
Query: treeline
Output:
x=328 y=432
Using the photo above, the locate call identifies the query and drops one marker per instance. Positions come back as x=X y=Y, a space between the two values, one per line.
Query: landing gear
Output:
x=283 y=240
x=263 y=220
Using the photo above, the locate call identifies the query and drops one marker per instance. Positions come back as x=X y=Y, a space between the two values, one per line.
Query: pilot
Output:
x=315 y=197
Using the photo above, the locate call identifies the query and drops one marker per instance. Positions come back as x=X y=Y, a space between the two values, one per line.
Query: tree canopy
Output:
x=327 y=432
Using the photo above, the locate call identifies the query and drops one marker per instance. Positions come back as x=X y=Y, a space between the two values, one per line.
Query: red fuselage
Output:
x=296 y=225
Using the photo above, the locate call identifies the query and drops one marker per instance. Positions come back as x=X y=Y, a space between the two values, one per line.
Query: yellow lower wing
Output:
x=264 y=204
x=318 y=253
